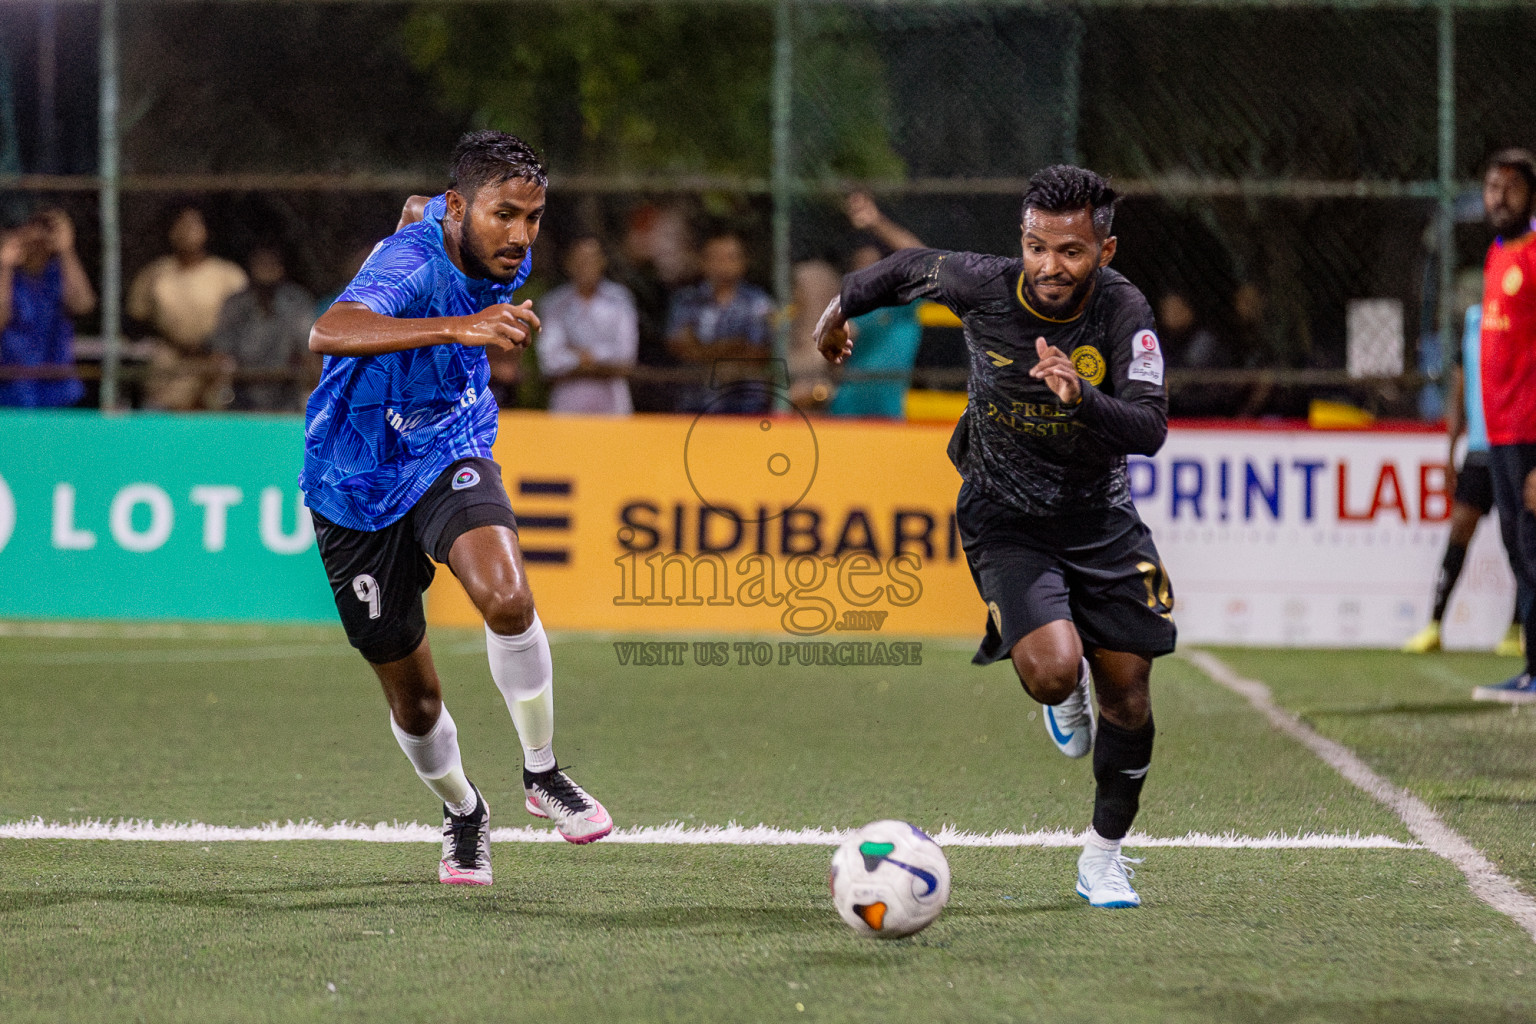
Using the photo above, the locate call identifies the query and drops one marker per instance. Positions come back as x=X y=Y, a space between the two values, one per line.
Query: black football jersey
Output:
x=1016 y=441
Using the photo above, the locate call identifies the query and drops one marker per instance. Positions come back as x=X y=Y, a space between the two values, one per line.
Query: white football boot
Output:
x=1104 y=878
x=577 y=816
x=466 y=845
x=1071 y=723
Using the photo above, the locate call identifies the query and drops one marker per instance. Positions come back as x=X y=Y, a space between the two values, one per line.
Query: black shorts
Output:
x=1474 y=482
x=1098 y=570
x=378 y=576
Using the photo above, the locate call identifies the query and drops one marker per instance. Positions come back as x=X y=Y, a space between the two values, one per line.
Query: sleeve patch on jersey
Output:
x=1146 y=358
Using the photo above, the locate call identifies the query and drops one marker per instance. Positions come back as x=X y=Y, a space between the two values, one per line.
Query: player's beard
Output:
x=1066 y=307
x=1514 y=224
x=475 y=265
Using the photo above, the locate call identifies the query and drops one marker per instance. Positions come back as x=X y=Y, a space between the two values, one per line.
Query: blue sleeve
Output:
x=394 y=279
x=760 y=328
x=681 y=313
x=1471 y=333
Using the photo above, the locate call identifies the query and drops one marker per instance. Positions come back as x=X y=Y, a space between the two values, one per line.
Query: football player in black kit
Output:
x=1066 y=380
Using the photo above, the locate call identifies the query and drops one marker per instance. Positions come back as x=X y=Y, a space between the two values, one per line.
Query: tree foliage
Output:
x=656 y=88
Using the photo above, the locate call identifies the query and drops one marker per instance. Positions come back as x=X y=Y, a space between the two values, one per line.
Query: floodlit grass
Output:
x=1412 y=718
x=245 y=726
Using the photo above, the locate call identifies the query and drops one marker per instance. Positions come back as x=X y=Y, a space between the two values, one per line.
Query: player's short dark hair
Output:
x=489 y=157
x=1518 y=160
x=1062 y=188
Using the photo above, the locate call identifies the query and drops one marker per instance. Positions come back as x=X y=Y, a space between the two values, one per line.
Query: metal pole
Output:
x=783 y=93
x=47 y=87
x=111 y=241
x=1447 y=219
x=1071 y=87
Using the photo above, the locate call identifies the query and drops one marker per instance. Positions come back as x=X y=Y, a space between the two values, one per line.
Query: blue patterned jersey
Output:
x=379 y=429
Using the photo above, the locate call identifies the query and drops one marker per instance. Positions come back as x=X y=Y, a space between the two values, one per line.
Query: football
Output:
x=889 y=879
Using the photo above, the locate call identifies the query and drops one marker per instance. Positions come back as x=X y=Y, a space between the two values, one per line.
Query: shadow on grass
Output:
x=696 y=916
x=245 y=900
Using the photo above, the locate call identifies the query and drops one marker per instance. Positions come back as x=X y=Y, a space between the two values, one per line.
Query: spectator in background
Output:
x=885 y=341
x=589 y=336
x=816 y=282
x=1471 y=485
x=42 y=285
x=1189 y=345
x=656 y=256
x=266 y=329
x=721 y=325
x=1186 y=341
x=179 y=296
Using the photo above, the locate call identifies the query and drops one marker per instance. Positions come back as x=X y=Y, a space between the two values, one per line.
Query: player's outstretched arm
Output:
x=352 y=329
x=833 y=337
x=900 y=278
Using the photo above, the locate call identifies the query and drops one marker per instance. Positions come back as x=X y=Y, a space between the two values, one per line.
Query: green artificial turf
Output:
x=1411 y=717
x=239 y=727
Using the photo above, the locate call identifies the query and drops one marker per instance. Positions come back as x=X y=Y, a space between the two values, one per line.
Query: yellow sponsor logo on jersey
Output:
x=1089 y=364
x=1513 y=279
x=998 y=359
x=1494 y=318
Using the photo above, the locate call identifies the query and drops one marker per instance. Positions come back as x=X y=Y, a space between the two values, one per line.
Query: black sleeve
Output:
x=1129 y=411
x=900 y=278
x=1130 y=428
x=958 y=280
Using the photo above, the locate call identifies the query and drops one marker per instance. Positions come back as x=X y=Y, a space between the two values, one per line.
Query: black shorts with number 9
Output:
x=1099 y=570
x=378 y=576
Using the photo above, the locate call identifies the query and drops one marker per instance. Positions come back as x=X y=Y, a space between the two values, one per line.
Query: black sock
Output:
x=1121 y=758
x=1445 y=582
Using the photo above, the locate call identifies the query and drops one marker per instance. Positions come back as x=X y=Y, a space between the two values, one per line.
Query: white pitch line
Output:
x=1489 y=884
x=672 y=834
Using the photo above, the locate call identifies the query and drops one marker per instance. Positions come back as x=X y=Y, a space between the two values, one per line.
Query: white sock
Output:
x=435 y=757
x=1100 y=843
x=525 y=675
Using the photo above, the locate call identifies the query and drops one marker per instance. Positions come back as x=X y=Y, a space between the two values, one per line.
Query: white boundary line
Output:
x=673 y=834
x=1487 y=882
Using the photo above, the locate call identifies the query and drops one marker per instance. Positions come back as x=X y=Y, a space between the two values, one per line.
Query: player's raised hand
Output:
x=61 y=231
x=1058 y=373
x=862 y=212
x=414 y=210
x=834 y=339
x=502 y=326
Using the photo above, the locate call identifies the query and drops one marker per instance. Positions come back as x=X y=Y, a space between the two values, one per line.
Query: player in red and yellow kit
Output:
x=1509 y=382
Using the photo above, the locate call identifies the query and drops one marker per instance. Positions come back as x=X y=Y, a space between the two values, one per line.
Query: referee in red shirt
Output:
x=1509 y=383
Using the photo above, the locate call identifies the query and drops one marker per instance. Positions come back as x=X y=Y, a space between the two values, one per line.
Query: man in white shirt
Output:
x=589 y=336
x=179 y=296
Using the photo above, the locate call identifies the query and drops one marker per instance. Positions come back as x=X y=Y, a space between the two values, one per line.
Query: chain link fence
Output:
x=1281 y=166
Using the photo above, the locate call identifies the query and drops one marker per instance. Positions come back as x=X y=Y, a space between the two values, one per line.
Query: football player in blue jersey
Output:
x=398 y=474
